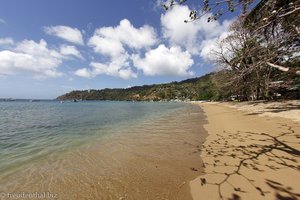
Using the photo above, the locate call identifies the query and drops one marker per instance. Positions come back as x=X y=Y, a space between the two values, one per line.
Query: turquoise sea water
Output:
x=29 y=131
x=100 y=149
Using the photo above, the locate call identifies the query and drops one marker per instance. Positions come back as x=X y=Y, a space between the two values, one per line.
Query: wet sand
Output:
x=154 y=160
x=248 y=154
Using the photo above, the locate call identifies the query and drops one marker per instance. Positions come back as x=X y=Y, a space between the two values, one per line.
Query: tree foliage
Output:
x=203 y=88
x=261 y=54
x=260 y=48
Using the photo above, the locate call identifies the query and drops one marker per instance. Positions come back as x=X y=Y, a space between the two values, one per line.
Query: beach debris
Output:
x=235 y=197
x=194 y=169
x=260 y=190
x=203 y=181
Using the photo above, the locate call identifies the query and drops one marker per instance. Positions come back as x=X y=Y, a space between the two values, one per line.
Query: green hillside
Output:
x=202 y=88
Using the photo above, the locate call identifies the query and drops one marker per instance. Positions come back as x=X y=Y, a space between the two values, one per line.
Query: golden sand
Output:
x=247 y=156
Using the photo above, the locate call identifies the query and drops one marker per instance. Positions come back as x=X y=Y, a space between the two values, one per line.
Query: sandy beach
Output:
x=252 y=152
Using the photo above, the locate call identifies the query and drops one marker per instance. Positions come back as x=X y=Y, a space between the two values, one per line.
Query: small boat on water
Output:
x=76 y=100
x=34 y=100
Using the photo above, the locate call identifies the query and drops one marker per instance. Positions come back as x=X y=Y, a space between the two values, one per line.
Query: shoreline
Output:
x=249 y=154
x=153 y=159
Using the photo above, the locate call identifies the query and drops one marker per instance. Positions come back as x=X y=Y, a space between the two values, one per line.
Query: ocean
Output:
x=98 y=149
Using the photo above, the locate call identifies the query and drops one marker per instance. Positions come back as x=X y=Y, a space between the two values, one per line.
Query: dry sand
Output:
x=285 y=109
x=250 y=157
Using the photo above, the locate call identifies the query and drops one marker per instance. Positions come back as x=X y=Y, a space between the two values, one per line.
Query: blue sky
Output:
x=51 y=47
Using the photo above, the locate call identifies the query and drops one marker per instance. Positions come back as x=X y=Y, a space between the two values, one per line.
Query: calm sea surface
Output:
x=32 y=133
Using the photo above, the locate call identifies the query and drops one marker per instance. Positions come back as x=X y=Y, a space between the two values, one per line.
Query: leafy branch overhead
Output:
x=215 y=8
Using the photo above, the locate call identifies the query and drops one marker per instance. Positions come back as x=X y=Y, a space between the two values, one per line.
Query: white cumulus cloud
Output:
x=67 y=33
x=209 y=46
x=83 y=72
x=68 y=50
x=31 y=56
x=112 y=41
x=117 y=43
x=106 y=46
x=165 y=61
x=6 y=41
x=194 y=36
x=119 y=67
x=176 y=31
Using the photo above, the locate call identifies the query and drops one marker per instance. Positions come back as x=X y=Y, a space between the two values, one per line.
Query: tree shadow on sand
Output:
x=246 y=149
x=276 y=108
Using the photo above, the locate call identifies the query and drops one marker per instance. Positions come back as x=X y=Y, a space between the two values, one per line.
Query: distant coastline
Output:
x=204 y=88
x=24 y=100
x=201 y=88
